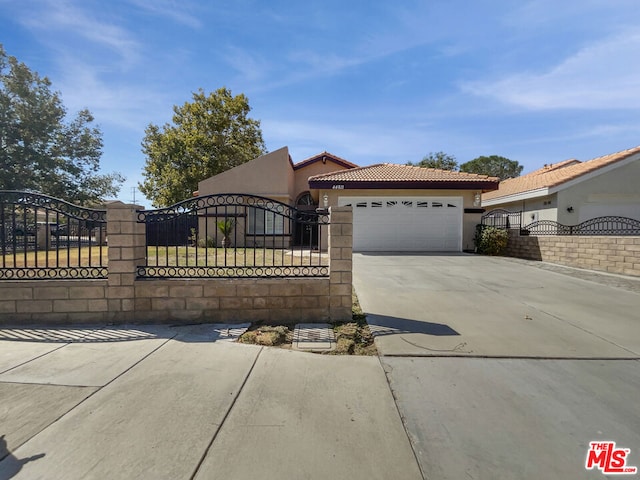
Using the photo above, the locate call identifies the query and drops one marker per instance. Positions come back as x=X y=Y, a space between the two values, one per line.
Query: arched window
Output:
x=305 y=200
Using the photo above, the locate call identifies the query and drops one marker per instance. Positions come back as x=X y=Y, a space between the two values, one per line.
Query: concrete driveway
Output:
x=505 y=369
x=493 y=307
x=160 y=402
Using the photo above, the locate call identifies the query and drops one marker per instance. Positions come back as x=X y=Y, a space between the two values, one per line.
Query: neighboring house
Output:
x=395 y=207
x=571 y=192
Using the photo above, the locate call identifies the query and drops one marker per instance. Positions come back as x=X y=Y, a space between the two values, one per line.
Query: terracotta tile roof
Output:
x=556 y=174
x=318 y=157
x=391 y=175
x=555 y=166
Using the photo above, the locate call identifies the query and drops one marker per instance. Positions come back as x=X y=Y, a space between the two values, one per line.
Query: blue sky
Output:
x=538 y=81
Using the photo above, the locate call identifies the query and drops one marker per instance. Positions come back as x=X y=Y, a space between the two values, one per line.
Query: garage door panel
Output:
x=406 y=223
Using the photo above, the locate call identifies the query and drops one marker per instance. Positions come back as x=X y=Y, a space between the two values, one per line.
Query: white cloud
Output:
x=175 y=11
x=62 y=16
x=249 y=65
x=331 y=49
x=604 y=75
x=587 y=15
x=121 y=104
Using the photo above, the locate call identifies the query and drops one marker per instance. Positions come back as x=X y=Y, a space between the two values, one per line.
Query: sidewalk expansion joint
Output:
x=224 y=419
x=97 y=389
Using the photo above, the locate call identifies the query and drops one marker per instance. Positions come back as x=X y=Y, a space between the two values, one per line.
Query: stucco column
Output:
x=340 y=263
x=127 y=250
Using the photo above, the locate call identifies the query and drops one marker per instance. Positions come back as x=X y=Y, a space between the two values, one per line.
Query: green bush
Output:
x=206 y=242
x=490 y=240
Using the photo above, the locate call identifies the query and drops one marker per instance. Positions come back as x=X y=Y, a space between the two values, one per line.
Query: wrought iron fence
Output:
x=500 y=218
x=234 y=235
x=609 y=225
x=596 y=226
x=43 y=237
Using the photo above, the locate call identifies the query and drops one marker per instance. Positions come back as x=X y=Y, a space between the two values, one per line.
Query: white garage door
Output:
x=431 y=224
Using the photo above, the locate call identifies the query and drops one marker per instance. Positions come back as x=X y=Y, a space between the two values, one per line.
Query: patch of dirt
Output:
x=352 y=338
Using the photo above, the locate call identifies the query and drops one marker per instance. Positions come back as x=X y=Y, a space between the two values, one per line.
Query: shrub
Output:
x=207 y=242
x=226 y=226
x=490 y=240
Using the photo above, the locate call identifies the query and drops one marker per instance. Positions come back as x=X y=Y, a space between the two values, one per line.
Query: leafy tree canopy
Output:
x=209 y=135
x=494 y=166
x=39 y=149
x=438 y=160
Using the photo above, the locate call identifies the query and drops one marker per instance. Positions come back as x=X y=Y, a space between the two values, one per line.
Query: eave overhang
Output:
x=485 y=186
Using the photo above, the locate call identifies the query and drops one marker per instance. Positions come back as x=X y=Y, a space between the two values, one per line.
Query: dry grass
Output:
x=74 y=257
x=250 y=257
x=170 y=256
x=269 y=336
x=355 y=337
x=352 y=338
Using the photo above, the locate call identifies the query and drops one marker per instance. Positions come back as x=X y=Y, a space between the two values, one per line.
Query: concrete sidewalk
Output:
x=173 y=403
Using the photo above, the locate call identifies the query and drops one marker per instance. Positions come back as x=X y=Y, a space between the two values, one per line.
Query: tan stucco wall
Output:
x=616 y=192
x=543 y=208
x=317 y=168
x=270 y=175
x=241 y=235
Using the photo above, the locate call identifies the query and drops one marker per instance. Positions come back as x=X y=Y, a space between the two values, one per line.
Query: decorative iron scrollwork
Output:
x=51 y=273
x=38 y=200
x=233 y=272
x=229 y=200
x=609 y=225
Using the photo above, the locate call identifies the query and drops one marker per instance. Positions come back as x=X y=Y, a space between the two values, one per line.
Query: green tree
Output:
x=494 y=166
x=39 y=149
x=209 y=135
x=438 y=160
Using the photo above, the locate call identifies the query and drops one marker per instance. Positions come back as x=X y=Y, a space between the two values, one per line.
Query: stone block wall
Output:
x=53 y=301
x=283 y=300
x=123 y=298
x=602 y=253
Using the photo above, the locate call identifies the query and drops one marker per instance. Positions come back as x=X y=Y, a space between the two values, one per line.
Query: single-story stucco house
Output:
x=571 y=192
x=395 y=207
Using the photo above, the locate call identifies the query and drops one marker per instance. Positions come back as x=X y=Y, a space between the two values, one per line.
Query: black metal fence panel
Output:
x=500 y=218
x=234 y=235
x=609 y=225
x=43 y=237
x=614 y=226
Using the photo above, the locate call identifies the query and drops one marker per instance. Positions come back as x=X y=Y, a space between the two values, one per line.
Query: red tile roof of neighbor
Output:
x=388 y=175
x=556 y=174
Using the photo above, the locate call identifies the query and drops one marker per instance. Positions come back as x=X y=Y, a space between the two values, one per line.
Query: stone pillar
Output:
x=340 y=263
x=127 y=250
